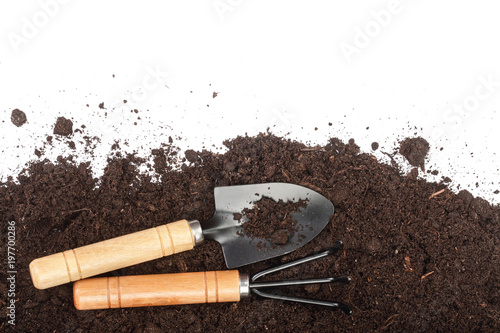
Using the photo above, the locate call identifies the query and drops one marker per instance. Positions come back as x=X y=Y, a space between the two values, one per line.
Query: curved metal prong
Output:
x=269 y=284
x=282 y=283
x=336 y=305
x=336 y=246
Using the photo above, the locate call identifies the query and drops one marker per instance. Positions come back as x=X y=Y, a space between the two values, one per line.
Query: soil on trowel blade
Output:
x=271 y=220
x=421 y=258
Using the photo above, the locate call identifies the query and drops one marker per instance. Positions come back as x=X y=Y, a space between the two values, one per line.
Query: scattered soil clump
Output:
x=414 y=150
x=18 y=117
x=191 y=155
x=63 y=127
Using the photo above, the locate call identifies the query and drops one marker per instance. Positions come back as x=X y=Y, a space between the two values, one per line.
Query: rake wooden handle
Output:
x=157 y=290
x=108 y=255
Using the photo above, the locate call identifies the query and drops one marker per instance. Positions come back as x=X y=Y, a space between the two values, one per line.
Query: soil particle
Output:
x=446 y=180
x=374 y=245
x=18 y=117
x=270 y=170
x=191 y=155
x=312 y=289
x=374 y=145
x=229 y=166
x=417 y=263
x=414 y=150
x=413 y=174
x=481 y=207
x=280 y=237
x=466 y=196
x=63 y=127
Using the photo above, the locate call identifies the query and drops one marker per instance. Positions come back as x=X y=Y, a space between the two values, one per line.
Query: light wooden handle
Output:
x=108 y=255
x=157 y=290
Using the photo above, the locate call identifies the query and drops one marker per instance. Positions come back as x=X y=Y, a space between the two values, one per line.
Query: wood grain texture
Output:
x=112 y=254
x=157 y=290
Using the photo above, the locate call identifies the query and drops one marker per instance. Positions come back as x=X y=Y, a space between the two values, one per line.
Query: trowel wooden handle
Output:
x=116 y=253
x=157 y=290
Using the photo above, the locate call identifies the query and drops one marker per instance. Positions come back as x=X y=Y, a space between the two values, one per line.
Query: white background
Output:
x=401 y=68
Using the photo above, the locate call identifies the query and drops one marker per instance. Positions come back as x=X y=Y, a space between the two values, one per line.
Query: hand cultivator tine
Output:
x=272 y=284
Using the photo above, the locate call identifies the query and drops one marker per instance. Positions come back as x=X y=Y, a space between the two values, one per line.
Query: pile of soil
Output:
x=271 y=220
x=421 y=258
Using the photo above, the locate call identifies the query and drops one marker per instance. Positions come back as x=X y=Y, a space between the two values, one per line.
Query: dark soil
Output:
x=271 y=220
x=280 y=236
x=18 y=117
x=63 y=127
x=415 y=150
x=419 y=262
x=374 y=145
x=191 y=155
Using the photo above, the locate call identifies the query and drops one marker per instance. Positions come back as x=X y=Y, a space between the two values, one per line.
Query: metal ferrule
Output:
x=197 y=231
x=244 y=285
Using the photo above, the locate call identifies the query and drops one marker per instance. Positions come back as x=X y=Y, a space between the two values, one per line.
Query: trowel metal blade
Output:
x=240 y=249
